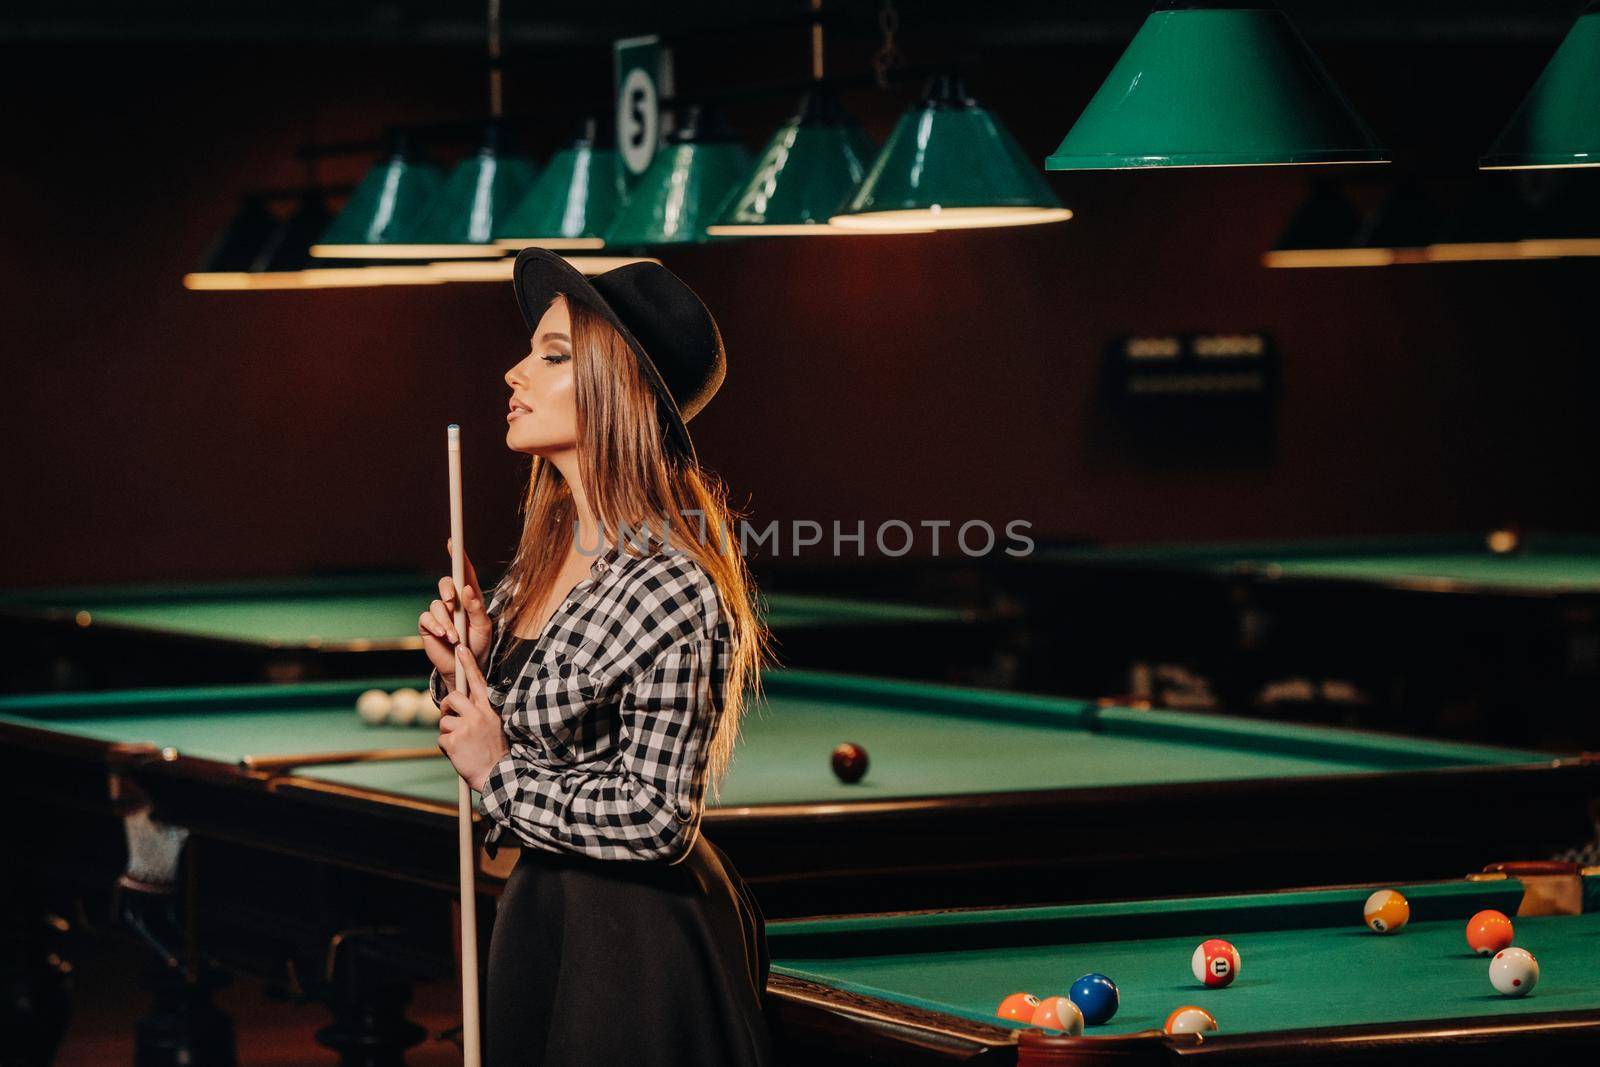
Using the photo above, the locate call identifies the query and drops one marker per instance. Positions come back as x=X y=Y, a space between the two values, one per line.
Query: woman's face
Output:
x=543 y=416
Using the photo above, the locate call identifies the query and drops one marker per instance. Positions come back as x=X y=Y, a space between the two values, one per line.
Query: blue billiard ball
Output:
x=1096 y=996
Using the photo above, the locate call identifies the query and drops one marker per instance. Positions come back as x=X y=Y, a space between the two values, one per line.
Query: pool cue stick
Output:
x=470 y=1054
x=294 y=761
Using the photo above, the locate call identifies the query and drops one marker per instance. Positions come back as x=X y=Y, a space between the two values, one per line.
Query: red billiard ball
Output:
x=1215 y=963
x=850 y=762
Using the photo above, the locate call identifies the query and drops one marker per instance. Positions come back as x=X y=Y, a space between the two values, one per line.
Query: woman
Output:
x=607 y=673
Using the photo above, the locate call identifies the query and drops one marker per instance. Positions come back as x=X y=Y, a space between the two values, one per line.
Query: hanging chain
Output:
x=496 y=98
x=888 y=55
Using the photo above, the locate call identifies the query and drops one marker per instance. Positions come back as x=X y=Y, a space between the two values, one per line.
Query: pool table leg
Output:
x=185 y=1027
x=368 y=1001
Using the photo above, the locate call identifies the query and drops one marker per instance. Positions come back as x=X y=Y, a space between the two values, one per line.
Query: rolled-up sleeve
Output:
x=647 y=803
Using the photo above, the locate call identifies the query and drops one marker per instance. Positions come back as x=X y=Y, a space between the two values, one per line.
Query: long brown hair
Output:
x=634 y=480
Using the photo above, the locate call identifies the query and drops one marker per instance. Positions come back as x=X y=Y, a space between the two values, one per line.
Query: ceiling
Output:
x=534 y=23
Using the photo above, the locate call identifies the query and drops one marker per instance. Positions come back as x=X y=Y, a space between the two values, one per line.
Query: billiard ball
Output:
x=374 y=706
x=1488 y=932
x=1097 y=997
x=428 y=713
x=850 y=762
x=1018 y=1007
x=1387 y=911
x=407 y=705
x=1514 y=971
x=1215 y=962
x=1058 y=1013
x=1190 y=1020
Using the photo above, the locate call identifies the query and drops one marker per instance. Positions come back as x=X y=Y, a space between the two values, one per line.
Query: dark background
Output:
x=153 y=432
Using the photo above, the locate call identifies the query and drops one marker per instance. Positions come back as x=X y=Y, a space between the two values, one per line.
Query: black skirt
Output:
x=626 y=962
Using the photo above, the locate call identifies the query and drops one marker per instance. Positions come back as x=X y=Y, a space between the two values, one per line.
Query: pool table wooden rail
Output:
x=897 y=852
x=1547 y=1038
x=958 y=849
x=812 y=1016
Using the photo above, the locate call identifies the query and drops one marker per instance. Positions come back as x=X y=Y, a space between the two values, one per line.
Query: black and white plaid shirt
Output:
x=610 y=718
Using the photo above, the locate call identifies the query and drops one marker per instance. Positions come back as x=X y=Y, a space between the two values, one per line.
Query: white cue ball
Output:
x=428 y=713
x=374 y=706
x=407 y=703
x=1514 y=971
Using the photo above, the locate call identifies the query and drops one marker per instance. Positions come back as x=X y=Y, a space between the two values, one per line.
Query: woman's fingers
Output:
x=477 y=689
x=472 y=598
x=477 y=614
x=461 y=705
x=454 y=703
x=471 y=594
x=469 y=573
x=445 y=621
x=441 y=654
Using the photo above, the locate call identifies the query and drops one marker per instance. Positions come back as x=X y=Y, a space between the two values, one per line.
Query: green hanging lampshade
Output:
x=1322 y=234
x=245 y=250
x=289 y=247
x=1558 y=125
x=949 y=164
x=814 y=161
x=260 y=251
x=385 y=207
x=692 y=176
x=574 y=200
x=460 y=222
x=1213 y=83
x=244 y=240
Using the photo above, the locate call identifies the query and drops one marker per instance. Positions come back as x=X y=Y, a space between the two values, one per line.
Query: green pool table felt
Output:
x=1309 y=975
x=922 y=740
x=1559 y=572
x=1549 y=564
x=296 y=612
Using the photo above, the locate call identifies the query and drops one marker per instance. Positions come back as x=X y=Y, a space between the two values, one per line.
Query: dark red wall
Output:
x=154 y=432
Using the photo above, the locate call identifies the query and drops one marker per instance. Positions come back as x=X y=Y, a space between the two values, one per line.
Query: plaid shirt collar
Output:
x=636 y=543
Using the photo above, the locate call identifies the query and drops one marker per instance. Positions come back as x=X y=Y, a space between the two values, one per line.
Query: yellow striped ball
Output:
x=1387 y=911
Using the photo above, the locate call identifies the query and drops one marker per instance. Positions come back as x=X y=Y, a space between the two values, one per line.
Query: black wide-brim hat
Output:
x=668 y=327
